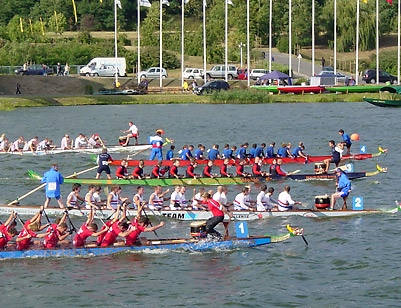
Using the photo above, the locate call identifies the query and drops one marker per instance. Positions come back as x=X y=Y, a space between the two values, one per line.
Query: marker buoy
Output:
x=354 y=137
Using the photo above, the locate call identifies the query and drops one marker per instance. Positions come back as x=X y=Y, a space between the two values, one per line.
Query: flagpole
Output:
x=204 y=40
x=335 y=37
x=357 y=44
x=289 y=37
x=313 y=37
x=161 y=45
x=377 y=42
x=115 y=40
x=399 y=41
x=248 y=53
x=182 y=41
x=270 y=34
x=225 y=40
x=138 y=68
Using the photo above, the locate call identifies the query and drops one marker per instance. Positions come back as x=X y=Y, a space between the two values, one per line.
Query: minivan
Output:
x=219 y=71
x=153 y=72
x=258 y=72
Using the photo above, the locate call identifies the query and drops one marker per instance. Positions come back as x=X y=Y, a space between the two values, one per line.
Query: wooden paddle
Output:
x=44 y=184
x=294 y=172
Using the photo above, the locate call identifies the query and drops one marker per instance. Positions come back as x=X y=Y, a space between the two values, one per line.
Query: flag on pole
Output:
x=75 y=11
x=41 y=25
x=230 y=2
x=186 y=1
x=365 y=1
x=145 y=3
x=20 y=24
x=165 y=2
x=118 y=3
x=390 y=2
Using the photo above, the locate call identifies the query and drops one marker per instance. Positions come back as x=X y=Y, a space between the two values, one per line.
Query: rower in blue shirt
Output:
x=298 y=152
x=252 y=151
x=227 y=152
x=242 y=151
x=214 y=152
x=259 y=151
x=346 y=140
x=199 y=152
x=170 y=153
x=270 y=151
x=282 y=152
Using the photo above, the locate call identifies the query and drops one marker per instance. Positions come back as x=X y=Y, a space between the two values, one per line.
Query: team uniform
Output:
x=111 y=235
x=115 y=200
x=175 y=201
x=157 y=145
x=344 y=185
x=282 y=152
x=261 y=201
x=198 y=154
x=190 y=171
x=4 y=236
x=157 y=202
x=218 y=216
x=72 y=200
x=121 y=172
x=25 y=243
x=240 y=202
x=81 y=236
x=285 y=202
x=52 y=239
x=207 y=172
x=336 y=154
x=173 y=172
x=53 y=180
x=169 y=154
x=131 y=238
x=270 y=152
x=223 y=171
x=213 y=154
x=103 y=163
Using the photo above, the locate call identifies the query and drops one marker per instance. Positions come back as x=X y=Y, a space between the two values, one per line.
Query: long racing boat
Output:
x=211 y=181
x=192 y=215
x=267 y=161
x=97 y=150
x=186 y=244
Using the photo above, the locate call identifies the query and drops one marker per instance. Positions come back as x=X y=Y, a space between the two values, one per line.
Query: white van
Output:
x=98 y=63
x=258 y=72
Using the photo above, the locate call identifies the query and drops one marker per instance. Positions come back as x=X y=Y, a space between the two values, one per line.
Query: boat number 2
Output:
x=357 y=203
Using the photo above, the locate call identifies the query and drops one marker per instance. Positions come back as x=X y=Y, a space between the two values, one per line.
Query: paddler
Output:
x=28 y=231
x=299 y=152
x=89 y=228
x=73 y=197
x=157 y=144
x=122 y=170
x=285 y=202
x=7 y=230
x=257 y=167
x=190 y=172
x=56 y=234
x=343 y=189
x=157 y=198
x=114 y=200
x=336 y=154
x=207 y=170
x=173 y=172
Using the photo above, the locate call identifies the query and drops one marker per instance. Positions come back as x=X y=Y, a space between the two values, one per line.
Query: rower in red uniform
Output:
x=223 y=169
x=24 y=239
x=240 y=169
x=138 y=171
x=275 y=168
x=117 y=227
x=190 y=173
x=89 y=228
x=256 y=167
x=56 y=234
x=207 y=170
x=173 y=173
x=156 y=172
x=7 y=230
x=122 y=170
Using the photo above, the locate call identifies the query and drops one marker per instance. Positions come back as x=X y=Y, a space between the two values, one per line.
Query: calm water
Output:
x=350 y=262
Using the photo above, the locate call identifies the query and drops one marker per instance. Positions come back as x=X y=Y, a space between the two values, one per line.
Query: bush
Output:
x=282 y=44
x=240 y=97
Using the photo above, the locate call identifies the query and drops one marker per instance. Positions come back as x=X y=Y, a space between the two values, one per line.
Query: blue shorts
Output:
x=344 y=194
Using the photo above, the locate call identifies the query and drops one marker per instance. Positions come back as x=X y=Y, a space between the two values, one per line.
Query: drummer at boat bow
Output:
x=157 y=144
x=285 y=202
x=133 y=133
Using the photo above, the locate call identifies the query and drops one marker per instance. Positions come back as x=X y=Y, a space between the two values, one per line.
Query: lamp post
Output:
x=240 y=50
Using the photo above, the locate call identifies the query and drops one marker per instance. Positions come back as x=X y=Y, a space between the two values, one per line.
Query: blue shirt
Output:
x=347 y=139
x=259 y=151
x=252 y=152
x=169 y=155
x=241 y=153
x=270 y=152
x=228 y=153
x=344 y=184
x=282 y=152
x=198 y=154
x=53 y=180
x=213 y=154
x=296 y=151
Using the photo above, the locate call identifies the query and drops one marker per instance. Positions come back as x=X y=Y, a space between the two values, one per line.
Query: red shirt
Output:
x=121 y=172
x=223 y=170
x=173 y=171
x=155 y=171
x=240 y=170
x=111 y=235
x=82 y=234
x=190 y=171
x=138 y=172
x=52 y=239
x=215 y=207
x=256 y=169
x=24 y=244
x=4 y=236
x=101 y=236
x=132 y=237
x=207 y=171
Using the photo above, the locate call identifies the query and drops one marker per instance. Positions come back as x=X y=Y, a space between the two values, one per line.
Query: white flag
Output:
x=165 y=2
x=186 y=1
x=118 y=3
x=230 y=2
x=145 y=3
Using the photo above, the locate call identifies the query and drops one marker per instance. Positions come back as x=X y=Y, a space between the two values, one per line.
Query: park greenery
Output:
x=25 y=26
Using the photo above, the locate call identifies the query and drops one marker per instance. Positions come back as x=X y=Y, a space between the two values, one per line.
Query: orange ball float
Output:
x=354 y=137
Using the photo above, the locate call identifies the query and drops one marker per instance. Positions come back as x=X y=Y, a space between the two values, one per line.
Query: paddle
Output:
x=297 y=232
x=21 y=222
x=294 y=172
x=16 y=201
x=72 y=227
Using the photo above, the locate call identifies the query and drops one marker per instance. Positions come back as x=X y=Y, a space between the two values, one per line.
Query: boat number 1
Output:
x=357 y=203
x=241 y=229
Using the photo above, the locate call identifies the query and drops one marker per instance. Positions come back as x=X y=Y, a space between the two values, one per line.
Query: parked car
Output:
x=35 y=69
x=211 y=86
x=340 y=77
x=104 y=71
x=153 y=72
x=219 y=71
x=258 y=72
x=192 y=73
x=369 y=76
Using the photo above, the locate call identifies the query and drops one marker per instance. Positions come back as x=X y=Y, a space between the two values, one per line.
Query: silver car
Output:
x=104 y=71
x=153 y=72
x=192 y=73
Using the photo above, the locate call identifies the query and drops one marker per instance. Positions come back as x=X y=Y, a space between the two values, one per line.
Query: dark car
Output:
x=211 y=86
x=36 y=69
x=369 y=76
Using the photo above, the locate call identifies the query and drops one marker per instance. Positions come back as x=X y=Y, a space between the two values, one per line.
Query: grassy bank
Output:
x=230 y=97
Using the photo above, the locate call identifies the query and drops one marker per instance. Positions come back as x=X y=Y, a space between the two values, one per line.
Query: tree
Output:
x=57 y=23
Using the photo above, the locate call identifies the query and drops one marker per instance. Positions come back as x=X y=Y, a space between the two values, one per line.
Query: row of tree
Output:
x=28 y=21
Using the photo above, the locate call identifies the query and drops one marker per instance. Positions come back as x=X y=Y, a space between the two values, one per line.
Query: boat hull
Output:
x=301 y=89
x=383 y=102
x=185 y=215
x=355 y=89
x=159 y=244
x=110 y=149
x=267 y=161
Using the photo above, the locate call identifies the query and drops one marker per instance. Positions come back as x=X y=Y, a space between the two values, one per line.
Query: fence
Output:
x=10 y=70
